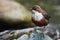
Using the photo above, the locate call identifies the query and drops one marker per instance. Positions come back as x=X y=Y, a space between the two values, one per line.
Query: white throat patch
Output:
x=37 y=16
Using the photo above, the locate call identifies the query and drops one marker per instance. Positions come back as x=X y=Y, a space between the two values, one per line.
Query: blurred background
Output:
x=52 y=7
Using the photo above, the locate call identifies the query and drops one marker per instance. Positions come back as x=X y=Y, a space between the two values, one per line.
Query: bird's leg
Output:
x=43 y=30
x=44 y=27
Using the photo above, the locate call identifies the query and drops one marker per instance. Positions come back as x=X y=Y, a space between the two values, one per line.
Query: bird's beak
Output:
x=31 y=10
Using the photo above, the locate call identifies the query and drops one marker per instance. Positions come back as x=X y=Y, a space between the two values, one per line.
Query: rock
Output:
x=35 y=36
x=13 y=15
x=13 y=11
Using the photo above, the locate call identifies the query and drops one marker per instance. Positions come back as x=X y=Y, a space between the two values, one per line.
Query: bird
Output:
x=39 y=16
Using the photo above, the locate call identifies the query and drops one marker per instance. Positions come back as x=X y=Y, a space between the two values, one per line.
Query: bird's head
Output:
x=37 y=8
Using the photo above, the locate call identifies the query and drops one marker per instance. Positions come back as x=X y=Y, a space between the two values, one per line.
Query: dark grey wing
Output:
x=46 y=16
